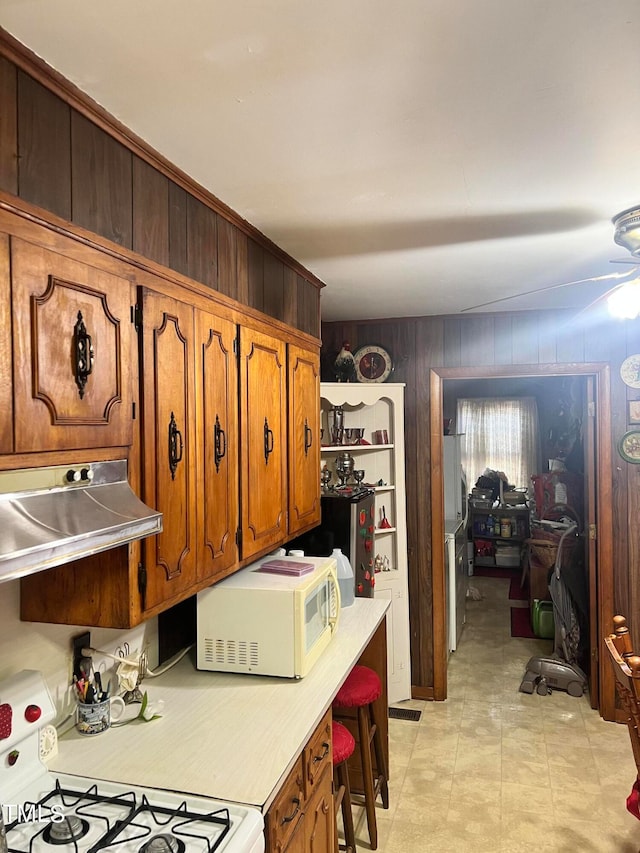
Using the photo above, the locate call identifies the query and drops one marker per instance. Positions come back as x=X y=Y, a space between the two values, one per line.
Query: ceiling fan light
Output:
x=624 y=302
x=627 y=230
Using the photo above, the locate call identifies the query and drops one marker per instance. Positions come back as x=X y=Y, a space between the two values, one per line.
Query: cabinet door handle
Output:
x=317 y=758
x=176 y=446
x=268 y=441
x=289 y=818
x=83 y=351
x=308 y=437
x=219 y=444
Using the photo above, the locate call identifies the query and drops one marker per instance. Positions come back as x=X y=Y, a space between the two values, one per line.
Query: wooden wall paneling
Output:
x=8 y=126
x=6 y=358
x=452 y=348
x=150 y=212
x=202 y=243
x=505 y=338
x=255 y=270
x=570 y=336
x=547 y=339
x=600 y=346
x=242 y=267
x=273 y=286
x=290 y=288
x=308 y=306
x=177 y=228
x=631 y=609
x=227 y=258
x=524 y=327
x=44 y=148
x=477 y=340
x=101 y=182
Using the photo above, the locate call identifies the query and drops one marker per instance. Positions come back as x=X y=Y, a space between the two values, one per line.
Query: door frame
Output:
x=601 y=597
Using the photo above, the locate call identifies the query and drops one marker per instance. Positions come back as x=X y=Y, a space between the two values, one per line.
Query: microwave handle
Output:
x=333 y=620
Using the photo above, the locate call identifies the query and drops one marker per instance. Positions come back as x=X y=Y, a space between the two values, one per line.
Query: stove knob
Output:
x=73 y=476
x=86 y=474
x=32 y=713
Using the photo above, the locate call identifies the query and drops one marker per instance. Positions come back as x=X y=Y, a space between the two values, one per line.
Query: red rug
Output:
x=521 y=623
x=516 y=592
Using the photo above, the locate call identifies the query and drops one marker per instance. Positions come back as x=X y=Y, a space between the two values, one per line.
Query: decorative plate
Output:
x=373 y=364
x=630 y=371
x=629 y=446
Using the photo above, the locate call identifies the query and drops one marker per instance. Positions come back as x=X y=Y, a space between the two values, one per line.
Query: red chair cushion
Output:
x=633 y=800
x=361 y=687
x=343 y=742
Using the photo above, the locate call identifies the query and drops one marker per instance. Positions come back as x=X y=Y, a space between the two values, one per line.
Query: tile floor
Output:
x=492 y=769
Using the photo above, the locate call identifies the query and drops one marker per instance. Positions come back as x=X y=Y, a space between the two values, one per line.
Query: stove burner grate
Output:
x=70 y=814
x=204 y=831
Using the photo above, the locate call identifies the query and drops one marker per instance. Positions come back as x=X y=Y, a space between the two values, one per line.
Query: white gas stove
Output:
x=43 y=811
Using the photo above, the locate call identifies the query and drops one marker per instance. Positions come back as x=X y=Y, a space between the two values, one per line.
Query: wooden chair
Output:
x=626 y=665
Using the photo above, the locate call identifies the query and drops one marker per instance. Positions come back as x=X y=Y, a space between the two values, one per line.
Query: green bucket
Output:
x=542 y=619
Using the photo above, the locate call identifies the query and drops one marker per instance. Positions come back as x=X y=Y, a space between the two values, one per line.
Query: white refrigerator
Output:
x=455 y=538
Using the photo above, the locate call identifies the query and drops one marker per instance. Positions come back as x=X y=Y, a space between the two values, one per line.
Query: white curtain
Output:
x=500 y=434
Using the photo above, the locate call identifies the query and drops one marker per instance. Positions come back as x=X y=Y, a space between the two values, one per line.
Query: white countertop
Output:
x=227 y=736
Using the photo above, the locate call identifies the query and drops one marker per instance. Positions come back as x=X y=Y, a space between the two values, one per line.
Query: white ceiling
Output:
x=420 y=157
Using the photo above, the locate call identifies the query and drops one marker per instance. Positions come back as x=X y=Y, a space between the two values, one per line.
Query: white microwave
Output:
x=263 y=623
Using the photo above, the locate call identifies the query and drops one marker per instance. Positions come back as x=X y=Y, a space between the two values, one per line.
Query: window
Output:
x=500 y=434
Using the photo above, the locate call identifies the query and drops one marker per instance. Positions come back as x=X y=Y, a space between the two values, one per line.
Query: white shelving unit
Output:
x=373 y=407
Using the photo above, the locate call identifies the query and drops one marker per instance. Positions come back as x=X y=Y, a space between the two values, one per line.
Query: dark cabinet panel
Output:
x=150 y=212
x=273 y=286
x=202 y=244
x=177 y=228
x=6 y=379
x=101 y=182
x=8 y=127
x=44 y=171
x=227 y=263
x=255 y=274
x=308 y=319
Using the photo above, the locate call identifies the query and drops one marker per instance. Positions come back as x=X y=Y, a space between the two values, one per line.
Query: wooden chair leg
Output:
x=381 y=764
x=342 y=773
x=364 y=732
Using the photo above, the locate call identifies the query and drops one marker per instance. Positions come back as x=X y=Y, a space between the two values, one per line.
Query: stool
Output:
x=343 y=747
x=360 y=690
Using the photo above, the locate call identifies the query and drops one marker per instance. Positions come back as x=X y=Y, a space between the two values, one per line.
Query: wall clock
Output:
x=630 y=371
x=373 y=364
x=629 y=446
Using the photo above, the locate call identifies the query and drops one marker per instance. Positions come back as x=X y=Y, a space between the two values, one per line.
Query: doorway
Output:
x=597 y=434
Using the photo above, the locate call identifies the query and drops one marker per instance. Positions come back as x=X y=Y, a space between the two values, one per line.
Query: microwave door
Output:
x=316 y=615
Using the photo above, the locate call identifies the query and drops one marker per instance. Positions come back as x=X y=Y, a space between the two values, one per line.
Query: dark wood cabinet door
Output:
x=73 y=352
x=6 y=378
x=319 y=818
x=169 y=445
x=304 y=439
x=264 y=448
x=217 y=443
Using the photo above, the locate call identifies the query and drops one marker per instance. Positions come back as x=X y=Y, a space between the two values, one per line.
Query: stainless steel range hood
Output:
x=50 y=516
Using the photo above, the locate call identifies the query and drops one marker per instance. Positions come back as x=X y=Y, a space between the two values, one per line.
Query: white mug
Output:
x=93 y=718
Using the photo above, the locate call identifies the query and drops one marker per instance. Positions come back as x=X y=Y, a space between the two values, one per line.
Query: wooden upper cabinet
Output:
x=6 y=385
x=263 y=451
x=217 y=444
x=73 y=351
x=304 y=439
x=169 y=441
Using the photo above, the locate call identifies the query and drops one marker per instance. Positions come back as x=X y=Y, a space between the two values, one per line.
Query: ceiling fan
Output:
x=623 y=298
